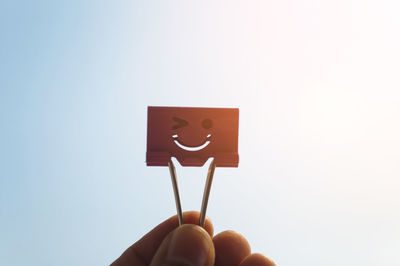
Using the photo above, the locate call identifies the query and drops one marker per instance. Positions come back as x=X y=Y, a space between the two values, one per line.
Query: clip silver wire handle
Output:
x=206 y=193
x=172 y=172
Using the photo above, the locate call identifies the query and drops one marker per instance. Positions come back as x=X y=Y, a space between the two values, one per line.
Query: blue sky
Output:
x=318 y=90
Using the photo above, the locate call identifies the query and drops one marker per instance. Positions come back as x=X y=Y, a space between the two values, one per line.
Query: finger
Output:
x=143 y=250
x=230 y=248
x=257 y=260
x=188 y=245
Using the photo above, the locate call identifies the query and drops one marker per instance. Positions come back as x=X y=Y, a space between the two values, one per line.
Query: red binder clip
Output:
x=192 y=135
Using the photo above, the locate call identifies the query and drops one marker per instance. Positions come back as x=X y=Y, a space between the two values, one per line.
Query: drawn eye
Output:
x=207 y=123
x=180 y=122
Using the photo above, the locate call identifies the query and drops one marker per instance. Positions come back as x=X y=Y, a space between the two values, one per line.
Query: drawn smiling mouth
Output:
x=191 y=148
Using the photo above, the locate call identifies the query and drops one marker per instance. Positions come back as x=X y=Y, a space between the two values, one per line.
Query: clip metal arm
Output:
x=206 y=193
x=172 y=171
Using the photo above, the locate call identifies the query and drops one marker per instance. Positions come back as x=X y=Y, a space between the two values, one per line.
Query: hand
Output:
x=189 y=244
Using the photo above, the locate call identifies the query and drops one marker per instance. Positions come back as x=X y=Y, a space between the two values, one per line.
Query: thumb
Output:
x=188 y=245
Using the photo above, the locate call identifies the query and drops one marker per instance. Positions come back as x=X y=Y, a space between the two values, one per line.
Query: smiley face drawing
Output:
x=192 y=135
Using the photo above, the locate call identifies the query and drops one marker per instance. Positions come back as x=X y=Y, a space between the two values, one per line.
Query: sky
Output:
x=317 y=84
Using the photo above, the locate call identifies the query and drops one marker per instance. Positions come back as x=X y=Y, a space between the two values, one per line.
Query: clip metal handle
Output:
x=206 y=193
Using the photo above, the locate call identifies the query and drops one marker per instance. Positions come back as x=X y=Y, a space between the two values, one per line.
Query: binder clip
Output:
x=192 y=135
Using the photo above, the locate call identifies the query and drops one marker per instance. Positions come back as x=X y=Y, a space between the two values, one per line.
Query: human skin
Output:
x=170 y=244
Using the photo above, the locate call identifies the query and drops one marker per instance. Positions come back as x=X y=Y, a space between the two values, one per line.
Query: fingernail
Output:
x=190 y=245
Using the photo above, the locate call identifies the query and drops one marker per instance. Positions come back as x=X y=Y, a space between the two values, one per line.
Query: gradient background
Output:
x=317 y=84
